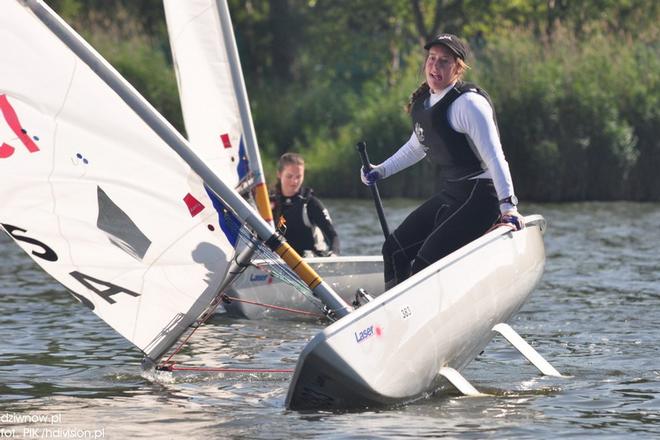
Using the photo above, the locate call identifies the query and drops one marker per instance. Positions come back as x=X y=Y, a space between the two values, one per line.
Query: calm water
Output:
x=595 y=317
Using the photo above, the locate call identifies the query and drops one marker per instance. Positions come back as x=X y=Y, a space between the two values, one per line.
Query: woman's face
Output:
x=291 y=178
x=441 y=68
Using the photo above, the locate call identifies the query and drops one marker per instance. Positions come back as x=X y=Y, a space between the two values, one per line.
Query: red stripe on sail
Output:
x=6 y=150
x=194 y=205
x=12 y=120
x=226 y=142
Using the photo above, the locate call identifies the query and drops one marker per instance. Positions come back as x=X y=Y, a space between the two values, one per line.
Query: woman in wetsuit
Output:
x=454 y=124
x=306 y=222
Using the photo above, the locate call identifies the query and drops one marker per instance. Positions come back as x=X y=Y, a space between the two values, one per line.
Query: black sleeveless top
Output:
x=303 y=213
x=449 y=149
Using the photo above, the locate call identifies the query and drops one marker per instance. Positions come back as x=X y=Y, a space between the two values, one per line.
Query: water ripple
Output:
x=595 y=317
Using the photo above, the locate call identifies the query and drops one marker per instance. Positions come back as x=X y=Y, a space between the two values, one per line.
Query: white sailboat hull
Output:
x=256 y=290
x=391 y=350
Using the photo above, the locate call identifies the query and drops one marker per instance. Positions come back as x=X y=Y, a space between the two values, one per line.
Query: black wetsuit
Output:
x=303 y=214
x=461 y=212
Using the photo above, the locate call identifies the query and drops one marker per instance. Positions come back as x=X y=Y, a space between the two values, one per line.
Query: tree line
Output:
x=576 y=85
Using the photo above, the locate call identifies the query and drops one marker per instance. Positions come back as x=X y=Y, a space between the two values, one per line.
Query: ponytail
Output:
x=423 y=88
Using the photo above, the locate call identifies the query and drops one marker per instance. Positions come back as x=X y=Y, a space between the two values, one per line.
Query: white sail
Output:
x=94 y=196
x=212 y=91
x=210 y=108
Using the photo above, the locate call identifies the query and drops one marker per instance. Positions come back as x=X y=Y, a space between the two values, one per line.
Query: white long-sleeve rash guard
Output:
x=471 y=114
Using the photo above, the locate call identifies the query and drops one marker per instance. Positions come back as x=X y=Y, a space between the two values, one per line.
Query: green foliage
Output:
x=576 y=85
x=564 y=121
x=130 y=35
x=150 y=73
x=379 y=119
x=578 y=121
x=642 y=106
x=577 y=113
x=68 y=9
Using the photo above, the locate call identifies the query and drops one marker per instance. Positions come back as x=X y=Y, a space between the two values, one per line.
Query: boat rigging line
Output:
x=272 y=306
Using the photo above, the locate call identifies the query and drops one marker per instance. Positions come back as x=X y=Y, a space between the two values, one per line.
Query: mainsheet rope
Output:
x=169 y=365
x=272 y=306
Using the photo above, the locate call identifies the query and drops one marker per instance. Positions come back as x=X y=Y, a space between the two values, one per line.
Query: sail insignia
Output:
x=121 y=230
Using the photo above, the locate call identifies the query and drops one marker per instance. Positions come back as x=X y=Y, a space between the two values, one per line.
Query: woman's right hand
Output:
x=372 y=176
x=514 y=218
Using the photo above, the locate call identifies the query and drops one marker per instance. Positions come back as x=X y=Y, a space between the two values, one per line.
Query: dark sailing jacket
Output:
x=449 y=149
x=308 y=226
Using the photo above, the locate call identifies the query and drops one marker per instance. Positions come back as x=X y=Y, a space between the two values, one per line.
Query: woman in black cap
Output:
x=453 y=123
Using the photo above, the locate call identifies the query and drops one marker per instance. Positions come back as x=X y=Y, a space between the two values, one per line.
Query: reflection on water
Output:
x=594 y=317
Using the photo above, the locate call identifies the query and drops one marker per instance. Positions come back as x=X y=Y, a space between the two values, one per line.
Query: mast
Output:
x=176 y=142
x=260 y=191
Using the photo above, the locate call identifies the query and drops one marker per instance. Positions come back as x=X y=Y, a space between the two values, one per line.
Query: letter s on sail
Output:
x=47 y=253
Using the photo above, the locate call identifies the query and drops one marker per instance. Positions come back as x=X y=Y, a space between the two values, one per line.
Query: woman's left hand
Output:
x=372 y=175
x=513 y=217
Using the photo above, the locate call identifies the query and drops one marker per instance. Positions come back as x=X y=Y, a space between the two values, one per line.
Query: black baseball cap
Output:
x=452 y=42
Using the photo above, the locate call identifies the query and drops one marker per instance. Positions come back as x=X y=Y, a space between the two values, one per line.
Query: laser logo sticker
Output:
x=363 y=335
